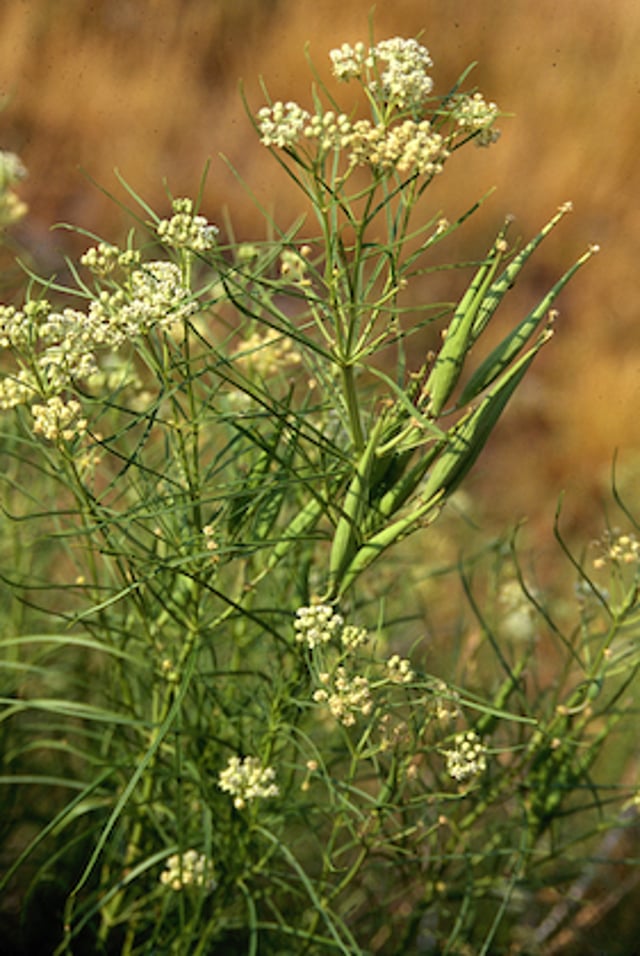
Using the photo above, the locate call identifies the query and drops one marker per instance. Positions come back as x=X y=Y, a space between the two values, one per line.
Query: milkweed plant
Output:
x=225 y=729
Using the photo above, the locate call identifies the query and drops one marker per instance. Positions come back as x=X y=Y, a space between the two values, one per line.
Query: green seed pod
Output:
x=400 y=491
x=375 y=546
x=468 y=437
x=505 y=352
x=302 y=524
x=508 y=276
x=448 y=365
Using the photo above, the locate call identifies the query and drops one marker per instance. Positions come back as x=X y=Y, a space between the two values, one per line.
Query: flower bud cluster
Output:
x=293 y=266
x=399 y=670
x=331 y=130
x=347 y=697
x=188 y=869
x=468 y=758
x=618 y=549
x=353 y=637
x=185 y=230
x=407 y=147
x=58 y=419
x=472 y=114
x=316 y=625
x=104 y=258
x=280 y=125
x=348 y=62
x=246 y=779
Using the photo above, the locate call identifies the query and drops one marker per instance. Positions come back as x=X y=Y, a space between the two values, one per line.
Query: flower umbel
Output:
x=407 y=147
x=58 y=419
x=316 y=624
x=399 y=670
x=188 y=869
x=185 y=230
x=281 y=124
x=404 y=82
x=468 y=759
x=347 y=697
x=246 y=779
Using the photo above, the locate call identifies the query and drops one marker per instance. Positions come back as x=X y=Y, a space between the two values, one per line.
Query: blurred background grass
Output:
x=89 y=87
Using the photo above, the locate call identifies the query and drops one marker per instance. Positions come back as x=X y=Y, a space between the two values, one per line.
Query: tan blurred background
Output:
x=151 y=87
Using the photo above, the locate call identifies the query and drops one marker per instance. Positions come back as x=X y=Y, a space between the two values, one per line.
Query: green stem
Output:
x=350 y=393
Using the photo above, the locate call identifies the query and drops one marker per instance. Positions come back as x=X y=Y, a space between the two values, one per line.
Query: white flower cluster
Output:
x=154 y=297
x=395 y=74
x=473 y=114
x=407 y=147
x=55 y=350
x=12 y=169
x=404 y=82
x=188 y=869
x=57 y=418
x=348 y=62
x=331 y=130
x=185 y=230
x=617 y=549
x=347 y=697
x=104 y=258
x=399 y=67
x=399 y=670
x=281 y=124
x=468 y=759
x=316 y=625
x=247 y=780
x=58 y=345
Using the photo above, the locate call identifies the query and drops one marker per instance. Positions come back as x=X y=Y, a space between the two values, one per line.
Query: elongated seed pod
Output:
x=456 y=457
x=379 y=543
x=302 y=524
x=400 y=491
x=469 y=435
x=505 y=352
x=509 y=275
x=448 y=364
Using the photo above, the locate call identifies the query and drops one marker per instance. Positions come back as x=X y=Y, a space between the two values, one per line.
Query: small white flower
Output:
x=468 y=759
x=246 y=779
x=316 y=624
x=405 y=81
x=348 y=61
x=281 y=124
x=58 y=419
x=347 y=697
x=399 y=670
x=188 y=869
x=473 y=114
x=185 y=230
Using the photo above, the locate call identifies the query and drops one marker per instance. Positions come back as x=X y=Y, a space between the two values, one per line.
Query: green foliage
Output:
x=205 y=465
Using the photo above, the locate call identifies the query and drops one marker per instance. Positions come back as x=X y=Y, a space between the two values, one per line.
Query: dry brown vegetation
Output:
x=152 y=89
